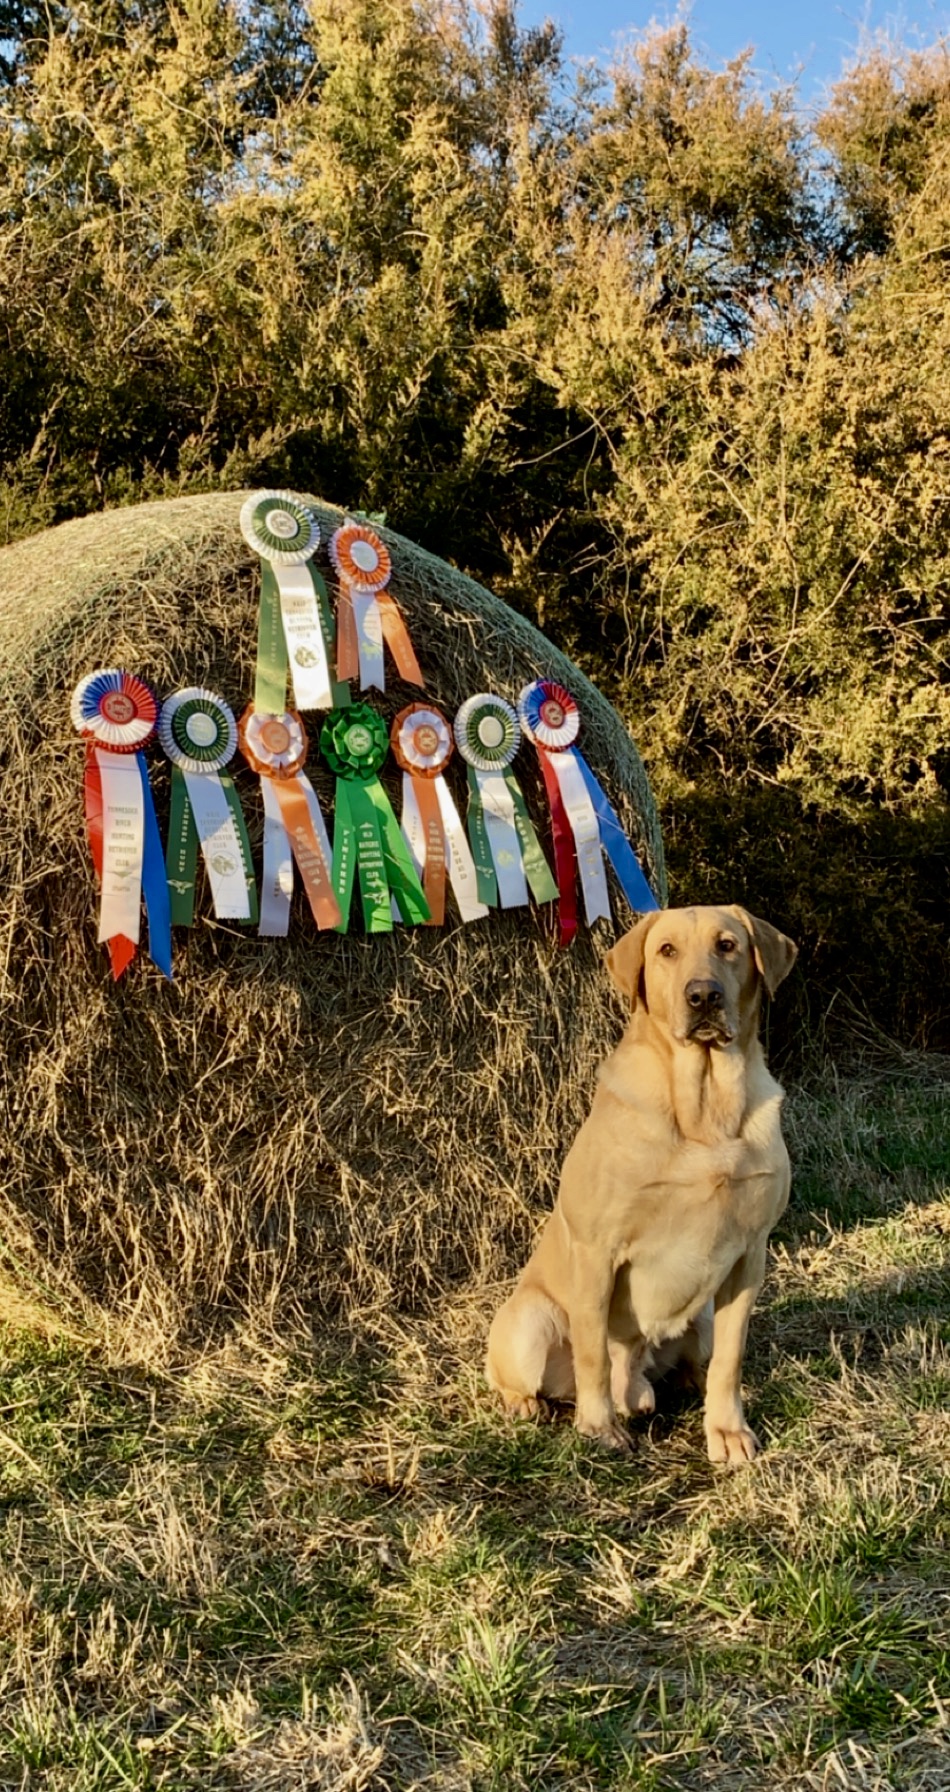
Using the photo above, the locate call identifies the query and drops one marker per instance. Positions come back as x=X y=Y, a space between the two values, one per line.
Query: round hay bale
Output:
x=322 y=1123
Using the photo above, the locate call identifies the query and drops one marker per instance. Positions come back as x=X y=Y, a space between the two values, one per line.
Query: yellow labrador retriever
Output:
x=668 y=1193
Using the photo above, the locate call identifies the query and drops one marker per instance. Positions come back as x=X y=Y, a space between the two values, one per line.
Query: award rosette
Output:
x=422 y=745
x=295 y=620
x=585 y=826
x=508 y=855
x=367 y=844
x=275 y=746
x=367 y=613
x=199 y=734
x=116 y=714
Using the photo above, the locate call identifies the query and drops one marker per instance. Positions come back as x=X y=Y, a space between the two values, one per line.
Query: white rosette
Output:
x=488 y=734
x=284 y=531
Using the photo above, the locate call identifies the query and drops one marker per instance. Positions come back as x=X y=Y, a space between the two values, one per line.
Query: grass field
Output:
x=342 y=1569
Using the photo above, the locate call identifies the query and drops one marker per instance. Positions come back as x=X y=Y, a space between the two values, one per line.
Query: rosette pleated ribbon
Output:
x=116 y=714
x=508 y=855
x=275 y=746
x=367 y=613
x=295 y=626
x=585 y=826
x=422 y=745
x=199 y=734
x=368 y=847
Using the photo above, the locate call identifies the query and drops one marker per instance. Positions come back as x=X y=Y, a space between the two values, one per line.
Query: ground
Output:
x=331 y=1567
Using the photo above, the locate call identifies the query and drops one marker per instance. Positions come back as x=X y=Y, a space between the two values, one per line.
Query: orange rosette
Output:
x=275 y=746
x=423 y=744
x=367 y=613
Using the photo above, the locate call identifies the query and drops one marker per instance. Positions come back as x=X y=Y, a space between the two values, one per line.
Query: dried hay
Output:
x=321 y=1124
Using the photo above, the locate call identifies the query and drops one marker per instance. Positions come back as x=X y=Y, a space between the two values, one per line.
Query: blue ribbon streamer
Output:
x=155 y=883
x=616 y=845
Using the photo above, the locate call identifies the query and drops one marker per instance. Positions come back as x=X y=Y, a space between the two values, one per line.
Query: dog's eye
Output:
x=726 y=945
x=667 y=950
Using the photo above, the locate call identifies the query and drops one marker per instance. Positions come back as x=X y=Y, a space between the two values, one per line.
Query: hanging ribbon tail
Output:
x=585 y=828
x=370 y=856
x=270 y=680
x=347 y=639
x=461 y=865
x=339 y=691
x=181 y=853
x=563 y=853
x=404 y=880
x=154 y=883
x=396 y=636
x=616 y=845
x=307 y=850
x=369 y=636
x=537 y=870
x=277 y=882
x=479 y=841
x=219 y=824
x=121 y=950
x=503 y=839
x=304 y=638
x=344 y=854
x=434 y=844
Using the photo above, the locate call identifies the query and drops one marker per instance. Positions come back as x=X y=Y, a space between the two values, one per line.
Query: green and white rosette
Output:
x=507 y=853
x=199 y=734
x=296 y=627
x=368 y=846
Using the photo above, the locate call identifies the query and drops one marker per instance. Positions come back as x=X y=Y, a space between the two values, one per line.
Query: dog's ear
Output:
x=624 y=961
x=774 y=953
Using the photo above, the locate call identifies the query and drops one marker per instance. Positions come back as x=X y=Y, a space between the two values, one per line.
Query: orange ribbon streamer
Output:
x=306 y=850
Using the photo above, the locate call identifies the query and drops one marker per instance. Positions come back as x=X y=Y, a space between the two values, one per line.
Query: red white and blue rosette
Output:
x=116 y=714
x=422 y=745
x=584 y=823
x=507 y=853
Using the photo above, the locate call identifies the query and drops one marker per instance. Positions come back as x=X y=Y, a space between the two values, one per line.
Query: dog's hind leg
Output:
x=529 y=1353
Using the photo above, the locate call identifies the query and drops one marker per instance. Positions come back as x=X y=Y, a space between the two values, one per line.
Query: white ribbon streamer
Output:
x=303 y=633
x=123 y=844
x=586 y=831
x=369 y=632
x=220 y=846
x=503 y=840
x=458 y=858
x=277 y=883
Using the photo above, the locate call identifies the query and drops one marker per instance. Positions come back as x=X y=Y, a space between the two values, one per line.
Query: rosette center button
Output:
x=427 y=740
x=491 y=731
x=282 y=524
x=552 y=713
x=275 y=737
x=358 y=739
x=364 y=555
x=201 y=729
x=118 y=707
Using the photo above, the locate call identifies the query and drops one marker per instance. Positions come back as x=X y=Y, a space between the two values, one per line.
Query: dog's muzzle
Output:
x=706 y=1012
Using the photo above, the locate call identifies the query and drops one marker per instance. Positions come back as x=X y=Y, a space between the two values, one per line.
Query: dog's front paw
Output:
x=609 y=1433
x=737 y=1447
x=520 y=1406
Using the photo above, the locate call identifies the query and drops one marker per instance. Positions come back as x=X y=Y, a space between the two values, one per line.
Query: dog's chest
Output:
x=686 y=1231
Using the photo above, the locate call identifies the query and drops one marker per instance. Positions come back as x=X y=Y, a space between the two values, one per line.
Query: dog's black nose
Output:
x=704 y=993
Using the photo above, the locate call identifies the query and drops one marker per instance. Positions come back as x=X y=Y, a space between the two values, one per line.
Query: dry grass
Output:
x=279 y=1569
x=312 y=1127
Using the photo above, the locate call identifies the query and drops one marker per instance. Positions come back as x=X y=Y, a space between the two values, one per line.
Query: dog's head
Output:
x=700 y=971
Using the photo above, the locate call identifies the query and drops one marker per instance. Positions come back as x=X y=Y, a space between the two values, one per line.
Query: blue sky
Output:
x=809 y=37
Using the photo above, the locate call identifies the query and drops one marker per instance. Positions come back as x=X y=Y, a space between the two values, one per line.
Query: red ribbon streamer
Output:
x=563 y=853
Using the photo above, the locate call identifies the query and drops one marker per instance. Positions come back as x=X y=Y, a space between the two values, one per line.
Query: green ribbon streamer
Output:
x=181 y=853
x=486 y=880
x=270 y=683
x=340 y=692
x=536 y=868
x=368 y=848
x=270 y=680
x=403 y=878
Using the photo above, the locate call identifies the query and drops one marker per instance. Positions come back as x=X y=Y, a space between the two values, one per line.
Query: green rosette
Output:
x=368 y=846
x=488 y=734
